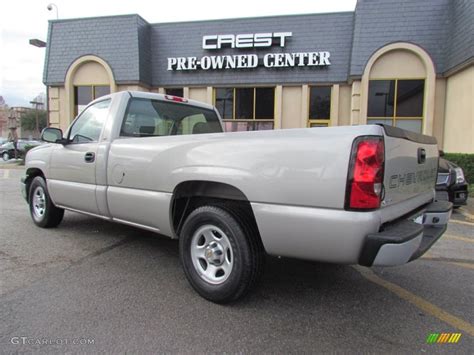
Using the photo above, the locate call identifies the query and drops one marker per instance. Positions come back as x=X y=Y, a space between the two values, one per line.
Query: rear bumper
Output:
x=406 y=240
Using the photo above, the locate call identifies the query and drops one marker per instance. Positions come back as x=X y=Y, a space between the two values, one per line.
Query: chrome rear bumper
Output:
x=406 y=240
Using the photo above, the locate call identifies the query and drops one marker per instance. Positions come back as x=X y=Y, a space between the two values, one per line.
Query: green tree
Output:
x=28 y=120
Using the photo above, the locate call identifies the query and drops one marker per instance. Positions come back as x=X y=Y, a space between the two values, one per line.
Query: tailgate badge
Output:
x=421 y=155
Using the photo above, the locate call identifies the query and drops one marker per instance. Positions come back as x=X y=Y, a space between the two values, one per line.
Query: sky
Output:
x=21 y=65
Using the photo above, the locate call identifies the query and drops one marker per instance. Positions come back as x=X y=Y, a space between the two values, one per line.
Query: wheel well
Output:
x=189 y=195
x=31 y=173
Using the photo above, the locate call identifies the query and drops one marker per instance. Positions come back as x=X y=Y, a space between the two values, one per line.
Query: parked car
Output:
x=351 y=195
x=7 y=150
x=451 y=185
x=3 y=140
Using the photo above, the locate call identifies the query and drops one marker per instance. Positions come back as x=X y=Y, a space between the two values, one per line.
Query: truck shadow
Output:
x=283 y=278
x=136 y=283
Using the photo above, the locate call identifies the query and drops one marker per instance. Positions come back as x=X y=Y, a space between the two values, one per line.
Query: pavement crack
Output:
x=101 y=251
x=72 y=264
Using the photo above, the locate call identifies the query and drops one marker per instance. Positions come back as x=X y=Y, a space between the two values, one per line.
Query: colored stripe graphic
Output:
x=443 y=338
x=432 y=338
x=455 y=337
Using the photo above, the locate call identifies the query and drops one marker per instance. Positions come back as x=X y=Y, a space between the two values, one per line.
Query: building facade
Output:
x=400 y=62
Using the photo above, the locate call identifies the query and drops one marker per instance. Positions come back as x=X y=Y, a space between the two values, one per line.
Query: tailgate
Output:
x=411 y=165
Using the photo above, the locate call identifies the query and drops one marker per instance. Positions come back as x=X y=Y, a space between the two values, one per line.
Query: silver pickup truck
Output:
x=352 y=195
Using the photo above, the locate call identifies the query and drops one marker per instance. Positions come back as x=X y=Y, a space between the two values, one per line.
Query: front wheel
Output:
x=5 y=156
x=43 y=212
x=220 y=253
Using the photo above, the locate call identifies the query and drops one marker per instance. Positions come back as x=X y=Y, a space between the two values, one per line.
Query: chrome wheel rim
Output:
x=212 y=254
x=39 y=203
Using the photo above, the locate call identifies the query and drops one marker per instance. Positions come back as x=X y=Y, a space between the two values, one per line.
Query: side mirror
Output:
x=441 y=153
x=52 y=135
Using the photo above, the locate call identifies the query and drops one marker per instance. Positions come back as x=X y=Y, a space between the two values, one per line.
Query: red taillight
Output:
x=365 y=179
x=175 y=98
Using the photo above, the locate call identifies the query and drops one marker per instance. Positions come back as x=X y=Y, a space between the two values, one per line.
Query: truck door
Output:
x=72 y=175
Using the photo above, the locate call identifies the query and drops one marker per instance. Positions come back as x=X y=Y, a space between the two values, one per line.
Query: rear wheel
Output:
x=43 y=212
x=5 y=156
x=220 y=253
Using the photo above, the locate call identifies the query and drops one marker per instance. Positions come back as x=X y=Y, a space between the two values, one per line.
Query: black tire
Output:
x=247 y=252
x=5 y=156
x=51 y=215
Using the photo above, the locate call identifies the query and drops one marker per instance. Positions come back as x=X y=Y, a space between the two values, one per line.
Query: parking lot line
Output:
x=464 y=265
x=461 y=222
x=455 y=237
x=466 y=213
x=6 y=173
x=417 y=301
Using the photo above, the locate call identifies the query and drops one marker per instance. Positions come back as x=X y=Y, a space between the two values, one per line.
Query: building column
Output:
x=210 y=95
x=304 y=106
x=53 y=106
x=439 y=111
x=334 y=119
x=355 y=103
x=186 y=92
x=278 y=106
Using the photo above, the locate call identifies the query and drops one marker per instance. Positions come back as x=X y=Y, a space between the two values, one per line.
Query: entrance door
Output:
x=72 y=177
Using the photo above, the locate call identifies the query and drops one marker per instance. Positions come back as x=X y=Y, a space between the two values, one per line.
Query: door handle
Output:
x=421 y=155
x=89 y=157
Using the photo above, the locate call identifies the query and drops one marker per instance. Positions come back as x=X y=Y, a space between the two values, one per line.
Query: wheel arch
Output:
x=189 y=195
x=31 y=173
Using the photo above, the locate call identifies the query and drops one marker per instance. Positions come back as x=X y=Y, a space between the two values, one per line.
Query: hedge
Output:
x=465 y=161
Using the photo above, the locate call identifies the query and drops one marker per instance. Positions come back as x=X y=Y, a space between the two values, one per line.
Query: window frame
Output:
x=234 y=106
x=94 y=97
x=326 y=122
x=394 y=118
x=69 y=141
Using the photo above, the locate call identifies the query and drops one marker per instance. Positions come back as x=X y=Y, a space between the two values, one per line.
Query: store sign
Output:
x=257 y=40
x=248 y=61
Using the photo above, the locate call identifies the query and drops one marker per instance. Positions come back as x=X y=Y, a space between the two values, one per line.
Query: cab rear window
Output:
x=151 y=118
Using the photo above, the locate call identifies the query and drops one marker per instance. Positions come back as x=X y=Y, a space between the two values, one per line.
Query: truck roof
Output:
x=163 y=97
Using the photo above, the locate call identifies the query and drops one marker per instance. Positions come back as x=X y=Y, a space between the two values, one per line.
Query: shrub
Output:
x=465 y=161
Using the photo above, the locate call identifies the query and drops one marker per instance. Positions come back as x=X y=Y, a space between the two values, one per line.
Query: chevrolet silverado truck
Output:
x=351 y=195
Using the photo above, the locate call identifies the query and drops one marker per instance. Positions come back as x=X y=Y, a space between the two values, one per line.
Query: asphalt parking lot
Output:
x=114 y=288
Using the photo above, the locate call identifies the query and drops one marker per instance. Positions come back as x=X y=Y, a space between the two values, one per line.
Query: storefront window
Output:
x=175 y=92
x=319 y=106
x=265 y=103
x=224 y=102
x=83 y=95
x=246 y=109
x=244 y=104
x=397 y=103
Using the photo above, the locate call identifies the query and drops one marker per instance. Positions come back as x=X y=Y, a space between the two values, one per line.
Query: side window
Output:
x=89 y=124
x=145 y=118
